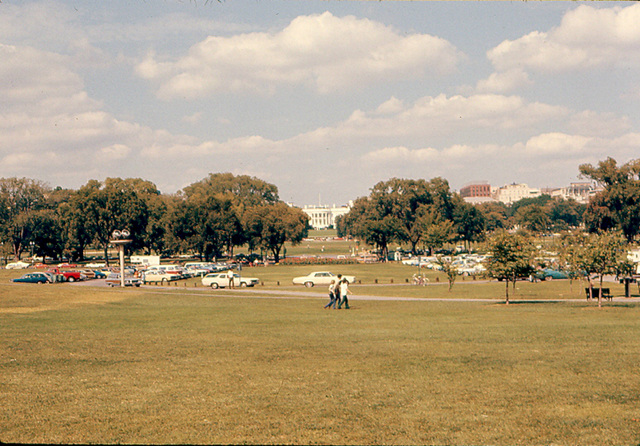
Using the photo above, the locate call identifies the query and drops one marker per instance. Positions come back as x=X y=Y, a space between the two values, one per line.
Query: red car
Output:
x=69 y=276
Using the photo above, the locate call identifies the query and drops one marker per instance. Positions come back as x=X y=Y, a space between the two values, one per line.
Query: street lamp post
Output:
x=119 y=239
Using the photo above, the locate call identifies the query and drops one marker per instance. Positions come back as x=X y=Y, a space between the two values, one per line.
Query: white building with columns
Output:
x=323 y=217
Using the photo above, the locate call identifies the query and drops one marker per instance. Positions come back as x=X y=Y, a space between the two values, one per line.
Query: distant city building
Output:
x=323 y=217
x=581 y=192
x=481 y=192
x=515 y=192
x=478 y=189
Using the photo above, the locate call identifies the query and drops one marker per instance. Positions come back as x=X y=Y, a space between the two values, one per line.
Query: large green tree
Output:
x=533 y=217
x=617 y=206
x=207 y=225
x=47 y=236
x=565 y=213
x=598 y=255
x=397 y=210
x=244 y=191
x=21 y=198
x=370 y=220
x=511 y=257
x=113 y=204
x=231 y=197
x=469 y=223
x=436 y=231
x=270 y=226
x=496 y=215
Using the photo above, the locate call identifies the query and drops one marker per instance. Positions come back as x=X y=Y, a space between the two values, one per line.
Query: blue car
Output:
x=34 y=278
x=551 y=274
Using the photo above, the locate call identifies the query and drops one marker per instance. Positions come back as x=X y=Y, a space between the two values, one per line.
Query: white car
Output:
x=220 y=280
x=154 y=275
x=200 y=269
x=113 y=280
x=476 y=269
x=320 y=278
x=18 y=265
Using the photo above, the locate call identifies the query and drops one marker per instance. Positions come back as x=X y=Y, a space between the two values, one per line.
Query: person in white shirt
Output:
x=230 y=277
x=332 y=295
x=344 y=291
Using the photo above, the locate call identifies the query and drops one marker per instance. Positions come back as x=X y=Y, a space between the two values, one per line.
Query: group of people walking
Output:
x=338 y=291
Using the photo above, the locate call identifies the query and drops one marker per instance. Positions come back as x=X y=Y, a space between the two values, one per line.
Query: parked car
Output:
x=472 y=270
x=34 y=278
x=550 y=274
x=99 y=274
x=320 y=278
x=17 y=265
x=70 y=276
x=220 y=280
x=157 y=275
x=200 y=269
x=171 y=269
x=88 y=273
x=114 y=280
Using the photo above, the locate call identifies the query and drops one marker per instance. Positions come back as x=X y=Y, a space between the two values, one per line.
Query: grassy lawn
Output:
x=82 y=365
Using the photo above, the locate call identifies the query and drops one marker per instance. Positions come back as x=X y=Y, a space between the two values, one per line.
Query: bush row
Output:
x=316 y=261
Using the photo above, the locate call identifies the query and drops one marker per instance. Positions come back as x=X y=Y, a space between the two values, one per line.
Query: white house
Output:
x=322 y=217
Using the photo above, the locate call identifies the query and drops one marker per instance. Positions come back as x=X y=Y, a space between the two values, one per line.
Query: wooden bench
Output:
x=606 y=293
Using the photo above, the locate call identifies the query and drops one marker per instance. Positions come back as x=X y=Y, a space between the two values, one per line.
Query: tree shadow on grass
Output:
x=622 y=304
x=535 y=302
x=580 y=304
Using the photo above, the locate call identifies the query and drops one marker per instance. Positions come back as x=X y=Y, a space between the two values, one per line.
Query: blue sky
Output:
x=321 y=98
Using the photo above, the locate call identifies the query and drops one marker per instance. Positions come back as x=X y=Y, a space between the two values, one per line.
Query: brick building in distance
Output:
x=476 y=192
x=477 y=189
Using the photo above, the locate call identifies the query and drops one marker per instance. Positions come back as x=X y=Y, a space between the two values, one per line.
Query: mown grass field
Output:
x=81 y=364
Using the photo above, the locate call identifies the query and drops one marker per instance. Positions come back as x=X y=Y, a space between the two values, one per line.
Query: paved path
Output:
x=259 y=293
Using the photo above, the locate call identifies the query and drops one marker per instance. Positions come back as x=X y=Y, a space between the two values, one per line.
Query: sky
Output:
x=323 y=99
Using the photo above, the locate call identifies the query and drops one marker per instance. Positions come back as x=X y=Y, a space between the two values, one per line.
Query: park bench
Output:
x=606 y=293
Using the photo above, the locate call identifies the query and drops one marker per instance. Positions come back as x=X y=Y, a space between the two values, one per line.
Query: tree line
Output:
x=208 y=218
x=211 y=217
x=426 y=215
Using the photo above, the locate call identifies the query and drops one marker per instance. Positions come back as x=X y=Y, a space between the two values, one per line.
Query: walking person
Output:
x=336 y=291
x=344 y=291
x=332 y=295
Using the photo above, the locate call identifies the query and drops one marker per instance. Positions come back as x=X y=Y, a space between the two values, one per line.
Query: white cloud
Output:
x=41 y=22
x=591 y=123
x=557 y=144
x=311 y=51
x=400 y=155
x=392 y=106
x=426 y=156
x=430 y=117
x=23 y=84
x=587 y=37
x=115 y=152
x=503 y=82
